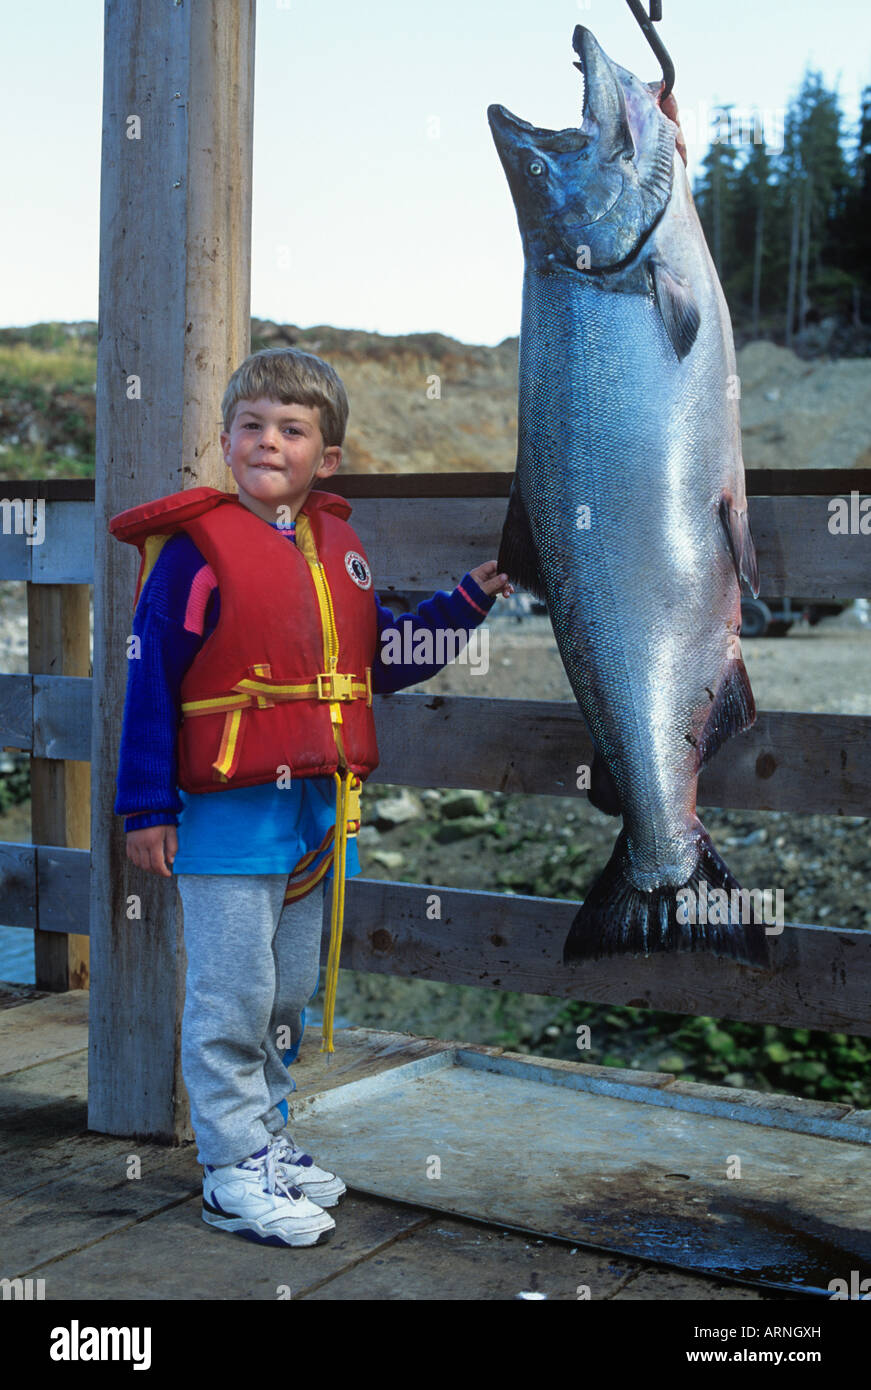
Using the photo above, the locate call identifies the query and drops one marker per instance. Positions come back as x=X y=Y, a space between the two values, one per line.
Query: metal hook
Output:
x=647 y=21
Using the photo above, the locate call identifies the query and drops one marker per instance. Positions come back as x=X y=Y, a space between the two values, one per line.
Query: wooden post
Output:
x=175 y=248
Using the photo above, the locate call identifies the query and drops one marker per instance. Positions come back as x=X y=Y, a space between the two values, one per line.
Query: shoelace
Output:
x=287 y=1152
x=275 y=1183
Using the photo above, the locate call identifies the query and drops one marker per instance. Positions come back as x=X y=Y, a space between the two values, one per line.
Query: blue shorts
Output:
x=258 y=830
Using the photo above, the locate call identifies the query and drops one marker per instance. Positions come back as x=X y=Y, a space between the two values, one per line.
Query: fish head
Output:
x=588 y=197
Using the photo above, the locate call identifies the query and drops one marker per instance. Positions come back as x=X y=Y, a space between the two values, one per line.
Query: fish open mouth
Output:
x=552 y=139
x=603 y=109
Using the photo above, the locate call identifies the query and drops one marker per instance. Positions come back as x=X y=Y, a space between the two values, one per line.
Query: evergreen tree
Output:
x=788 y=229
x=848 y=236
x=715 y=194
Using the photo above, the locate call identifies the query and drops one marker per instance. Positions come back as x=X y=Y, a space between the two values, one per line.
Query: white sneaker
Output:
x=252 y=1199
x=299 y=1168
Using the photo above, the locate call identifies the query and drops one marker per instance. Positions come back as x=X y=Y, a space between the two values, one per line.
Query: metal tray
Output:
x=750 y=1192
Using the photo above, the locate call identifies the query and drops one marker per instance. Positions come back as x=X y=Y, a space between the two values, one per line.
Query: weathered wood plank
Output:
x=44 y=1030
x=16 y=710
x=786 y=762
x=18 y=878
x=12 y=996
x=760 y=482
x=175 y=1255
x=84 y=1205
x=422 y=542
x=62 y=878
x=810 y=763
x=46 y=542
x=821 y=976
x=49 y=716
x=449 y=1260
x=169 y=233
x=40 y=1106
x=34 y=1161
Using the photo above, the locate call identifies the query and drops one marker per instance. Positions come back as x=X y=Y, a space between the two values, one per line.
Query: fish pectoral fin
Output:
x=603 y=791
x=677 y=307
x=736 y=525
x=732 y=712
x=518 y=557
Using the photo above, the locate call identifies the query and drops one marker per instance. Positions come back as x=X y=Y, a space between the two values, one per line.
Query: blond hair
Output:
x=293 y=377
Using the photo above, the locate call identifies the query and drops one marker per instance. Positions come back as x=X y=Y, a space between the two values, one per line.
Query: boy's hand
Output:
x=669 y=108
x=153 y=848
x=486 y=578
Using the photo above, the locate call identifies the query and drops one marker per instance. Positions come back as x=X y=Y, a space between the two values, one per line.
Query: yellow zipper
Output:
x=305 y=542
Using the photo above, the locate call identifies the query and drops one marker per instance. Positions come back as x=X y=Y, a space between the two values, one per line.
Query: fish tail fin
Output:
x=617 y=919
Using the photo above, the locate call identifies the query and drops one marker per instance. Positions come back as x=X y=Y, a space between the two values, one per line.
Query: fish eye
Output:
x=536 y=167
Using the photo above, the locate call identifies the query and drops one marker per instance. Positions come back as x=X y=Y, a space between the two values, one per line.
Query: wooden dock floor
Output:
x=71 y=1216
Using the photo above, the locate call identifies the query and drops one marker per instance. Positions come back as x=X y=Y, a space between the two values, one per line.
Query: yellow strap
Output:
x=228 y=751
x=352 y=688
x=344 y=796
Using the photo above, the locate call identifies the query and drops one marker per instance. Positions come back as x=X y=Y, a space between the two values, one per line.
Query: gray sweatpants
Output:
x=253 y=965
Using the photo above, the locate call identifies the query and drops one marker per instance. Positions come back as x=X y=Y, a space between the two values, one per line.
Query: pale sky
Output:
x=379 y=200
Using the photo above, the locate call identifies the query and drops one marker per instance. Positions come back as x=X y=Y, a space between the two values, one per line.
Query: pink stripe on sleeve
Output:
x=204 y=582
x=476 y=606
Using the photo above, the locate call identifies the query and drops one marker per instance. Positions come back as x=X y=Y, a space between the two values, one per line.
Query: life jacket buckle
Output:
x=339 y=687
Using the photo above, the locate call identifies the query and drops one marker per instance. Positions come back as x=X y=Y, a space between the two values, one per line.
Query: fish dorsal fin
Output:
x=677 y=306
x=518 y=557
x=732 y=711
x=739 y=539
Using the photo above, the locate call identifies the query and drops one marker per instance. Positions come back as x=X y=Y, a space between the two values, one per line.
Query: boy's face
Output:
x=275 y=452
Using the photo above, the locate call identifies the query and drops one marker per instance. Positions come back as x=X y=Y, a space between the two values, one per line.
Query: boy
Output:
x=260 y=649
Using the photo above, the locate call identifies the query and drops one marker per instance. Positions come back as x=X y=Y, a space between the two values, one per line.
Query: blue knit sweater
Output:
x=178 y=610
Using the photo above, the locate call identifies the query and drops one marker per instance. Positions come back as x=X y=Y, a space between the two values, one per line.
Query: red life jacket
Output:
x=285 y=679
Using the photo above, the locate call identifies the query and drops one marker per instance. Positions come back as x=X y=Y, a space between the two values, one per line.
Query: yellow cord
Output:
x=337 y=913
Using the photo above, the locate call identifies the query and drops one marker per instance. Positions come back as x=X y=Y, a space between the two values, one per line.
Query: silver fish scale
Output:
x=645 y=604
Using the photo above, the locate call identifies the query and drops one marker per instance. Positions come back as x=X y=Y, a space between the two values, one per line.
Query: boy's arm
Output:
x=401 y=656
x=148 y=757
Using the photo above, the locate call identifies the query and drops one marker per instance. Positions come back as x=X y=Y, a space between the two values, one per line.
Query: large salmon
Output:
x=628 y=512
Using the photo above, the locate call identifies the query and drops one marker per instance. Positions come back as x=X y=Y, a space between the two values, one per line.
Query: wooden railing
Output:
x=422 y=532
